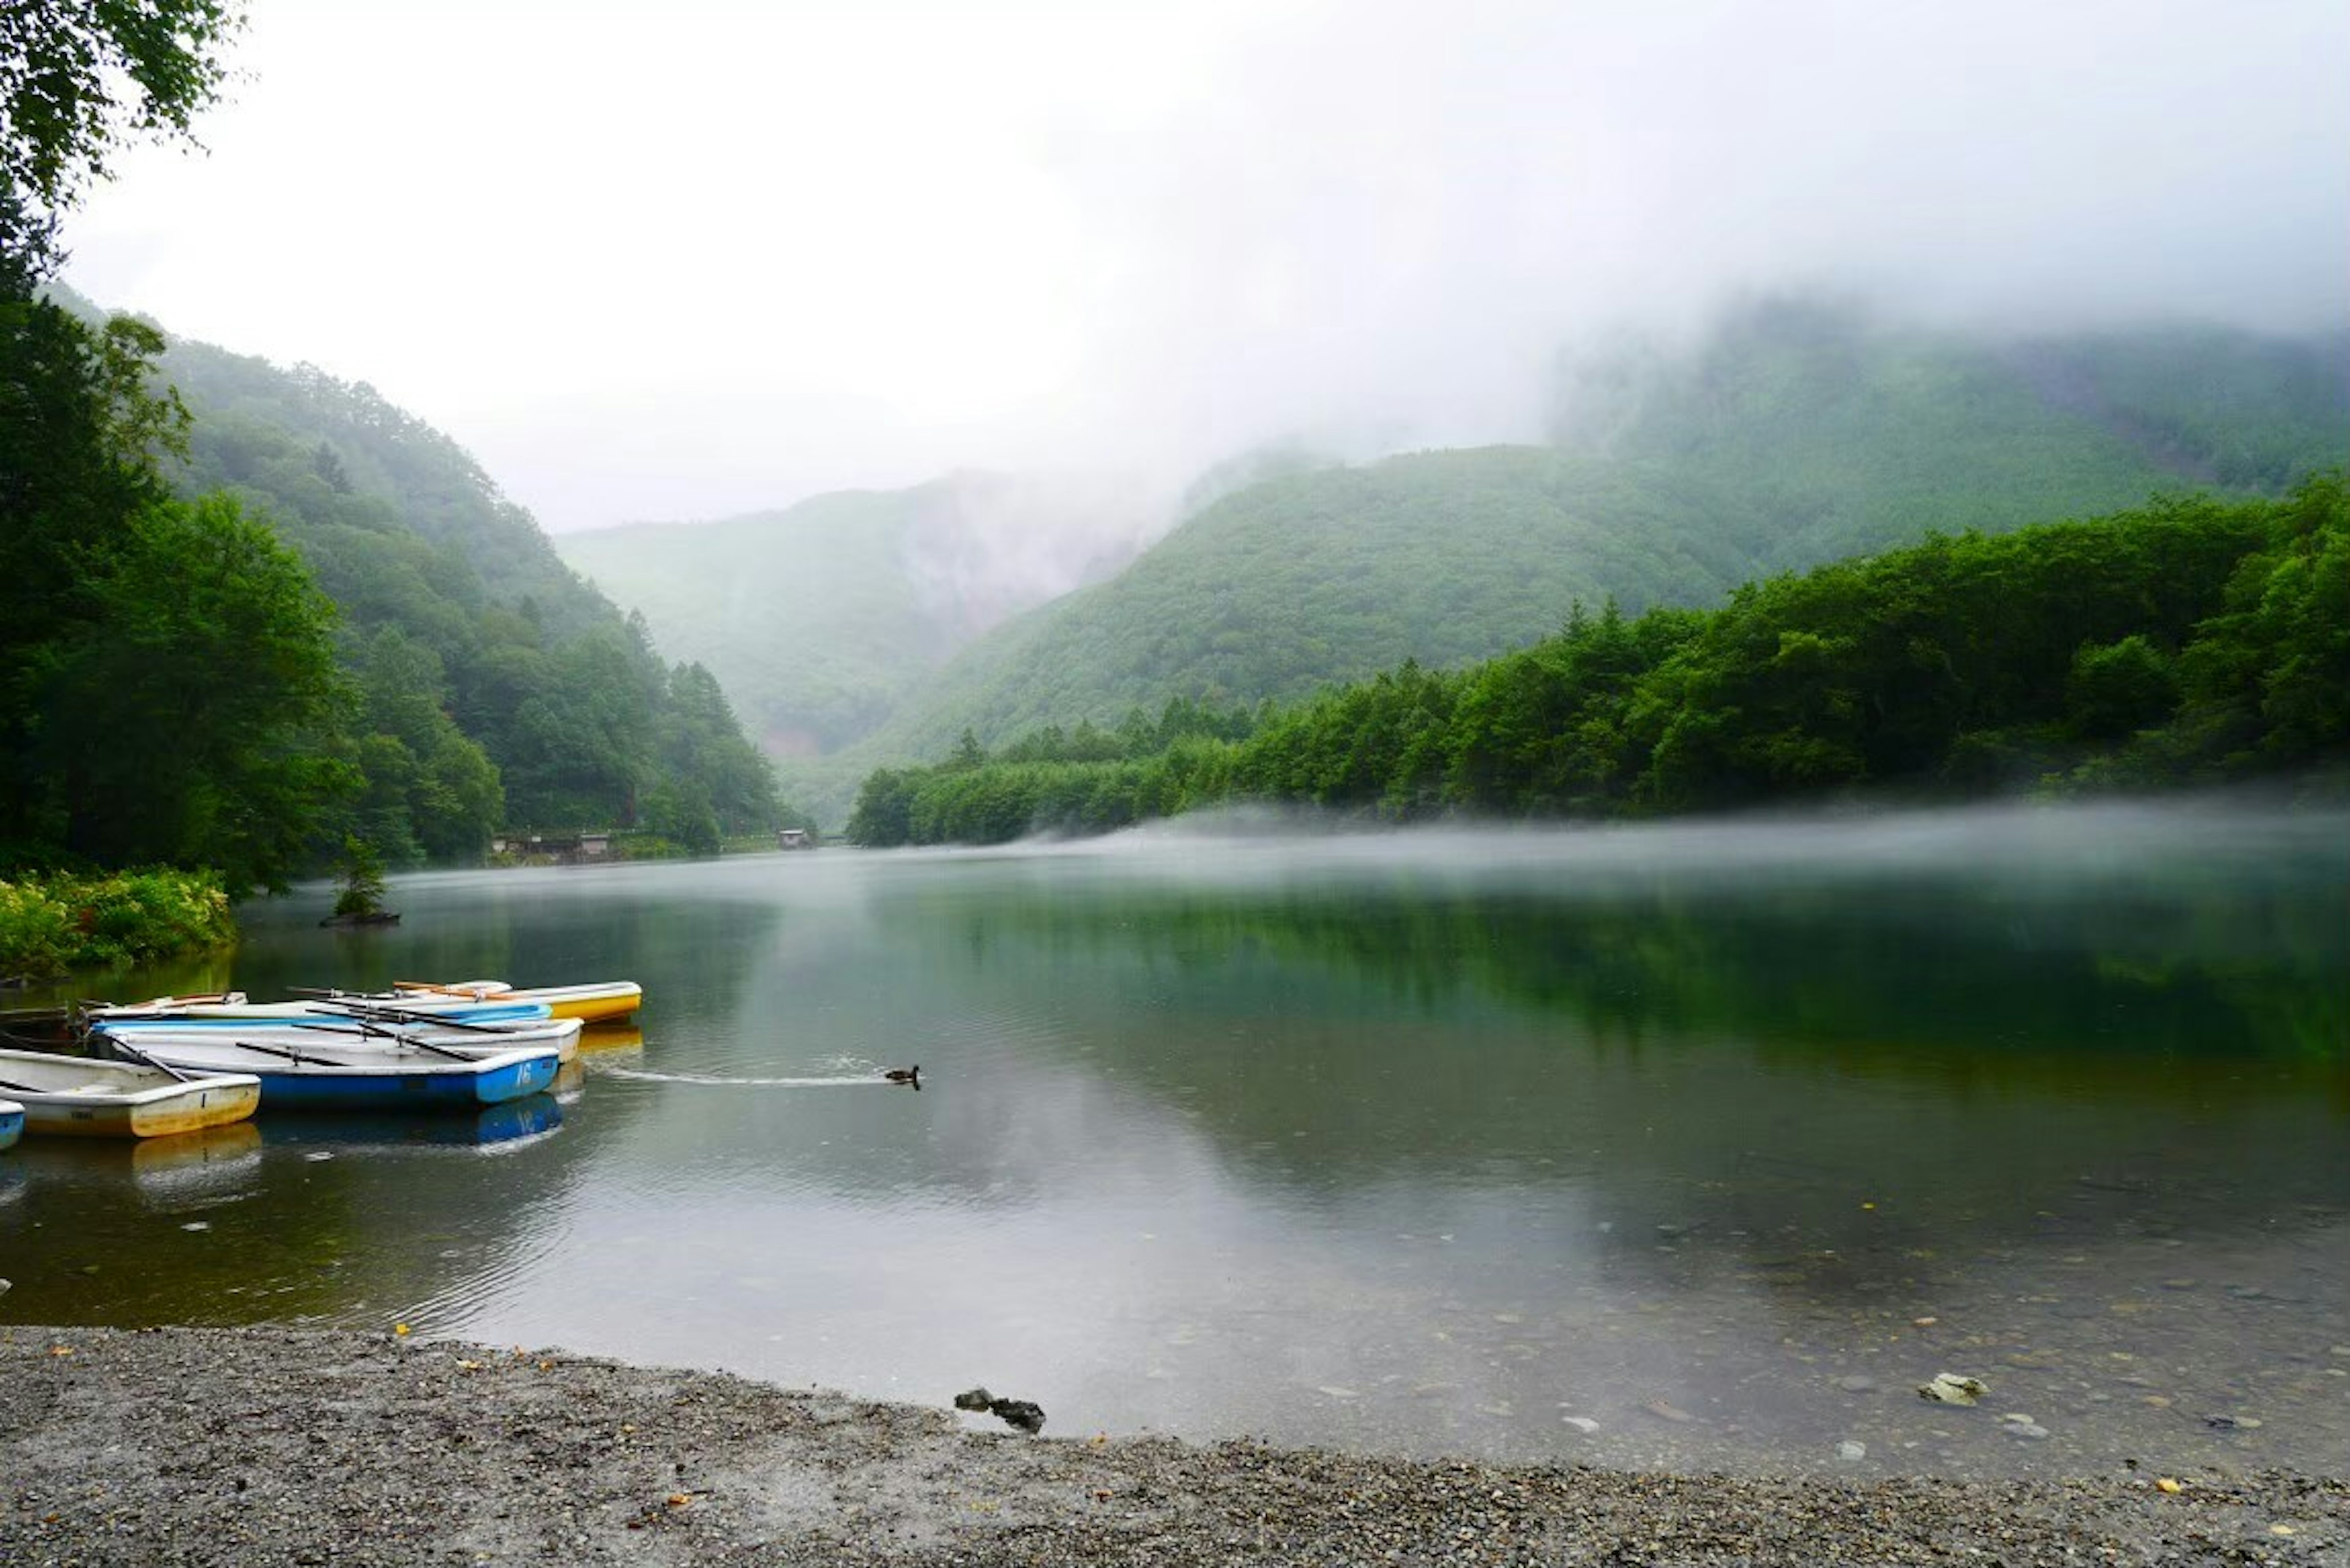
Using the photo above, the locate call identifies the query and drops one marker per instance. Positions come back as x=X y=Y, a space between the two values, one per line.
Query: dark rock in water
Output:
x=380 y=918
x=1019 y=1414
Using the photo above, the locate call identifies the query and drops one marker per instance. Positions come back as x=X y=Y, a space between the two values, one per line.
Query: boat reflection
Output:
x=610 y=1040
x=206 y=1160
x=498 y=1128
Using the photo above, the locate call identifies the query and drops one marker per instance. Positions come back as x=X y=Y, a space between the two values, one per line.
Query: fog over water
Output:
x=714 y=260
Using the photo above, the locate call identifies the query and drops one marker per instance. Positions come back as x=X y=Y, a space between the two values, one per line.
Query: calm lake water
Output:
x=1689 y=1146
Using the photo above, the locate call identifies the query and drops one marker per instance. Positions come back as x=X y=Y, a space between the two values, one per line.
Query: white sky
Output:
x=687 y=259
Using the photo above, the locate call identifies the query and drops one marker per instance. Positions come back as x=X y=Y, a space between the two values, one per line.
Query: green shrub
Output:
x=50 y=924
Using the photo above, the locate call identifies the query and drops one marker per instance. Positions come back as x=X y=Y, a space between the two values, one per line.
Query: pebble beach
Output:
x=263 y=1446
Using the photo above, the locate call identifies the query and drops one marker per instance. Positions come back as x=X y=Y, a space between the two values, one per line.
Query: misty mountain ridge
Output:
x=819 y=618
x=1794 y=432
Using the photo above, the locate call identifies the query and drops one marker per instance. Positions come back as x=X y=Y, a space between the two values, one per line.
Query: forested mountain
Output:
x=490 y=683
x=2191 y=641
x=821 y=619
x=1791 y=432
x=1794 y=432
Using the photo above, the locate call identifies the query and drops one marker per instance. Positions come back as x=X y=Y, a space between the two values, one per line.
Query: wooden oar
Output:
x=285 y=1052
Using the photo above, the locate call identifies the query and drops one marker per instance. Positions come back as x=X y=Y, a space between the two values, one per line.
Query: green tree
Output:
x=2119 y=687
x=182 y=720
x=702 y=746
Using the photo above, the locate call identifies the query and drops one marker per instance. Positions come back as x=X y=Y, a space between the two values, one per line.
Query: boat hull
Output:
x=453 y=1089
x=343 y=1075
x=66 y=1096
x=12 y=1122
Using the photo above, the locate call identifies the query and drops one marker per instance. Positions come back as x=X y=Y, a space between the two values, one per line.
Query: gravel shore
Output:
x=273 y=1447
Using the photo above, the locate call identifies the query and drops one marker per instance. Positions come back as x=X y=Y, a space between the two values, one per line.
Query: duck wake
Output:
x=869 y=1080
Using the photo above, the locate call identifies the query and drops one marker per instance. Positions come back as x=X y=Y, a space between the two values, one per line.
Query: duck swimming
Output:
x=913 y=1076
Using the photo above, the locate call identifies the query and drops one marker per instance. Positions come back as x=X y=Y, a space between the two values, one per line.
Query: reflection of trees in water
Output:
x=2239 y=972
x=1985 y=1063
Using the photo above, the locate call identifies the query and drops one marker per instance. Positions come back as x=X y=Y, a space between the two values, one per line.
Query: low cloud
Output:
x=764 y=251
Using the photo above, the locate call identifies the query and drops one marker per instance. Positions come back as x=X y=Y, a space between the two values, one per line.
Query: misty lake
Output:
x=1682 y=1146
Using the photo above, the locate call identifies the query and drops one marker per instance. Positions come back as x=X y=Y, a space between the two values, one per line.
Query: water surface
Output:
x=1684 y=1145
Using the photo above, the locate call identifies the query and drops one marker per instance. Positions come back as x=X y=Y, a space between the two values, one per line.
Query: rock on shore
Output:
x=273 y=1447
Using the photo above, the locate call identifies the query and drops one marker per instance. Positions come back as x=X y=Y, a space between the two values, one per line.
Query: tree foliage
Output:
x=170 y=689
x=497 y=689
x=2191 y=641
x=80 y=79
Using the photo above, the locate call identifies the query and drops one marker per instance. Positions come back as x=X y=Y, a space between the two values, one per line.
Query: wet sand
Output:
x=279 y=1446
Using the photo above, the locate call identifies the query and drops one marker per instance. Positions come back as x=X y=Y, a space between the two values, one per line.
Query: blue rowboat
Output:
x=12 y=1122
x=353 y=1074
x=445 y=1036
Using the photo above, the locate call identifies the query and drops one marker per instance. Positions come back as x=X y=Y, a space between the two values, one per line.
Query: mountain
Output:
x=1794 y=433
x=490 y=684
x=822 y=618
x=1791 y=432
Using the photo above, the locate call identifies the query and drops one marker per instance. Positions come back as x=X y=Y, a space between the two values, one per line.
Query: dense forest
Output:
x=2194 y=640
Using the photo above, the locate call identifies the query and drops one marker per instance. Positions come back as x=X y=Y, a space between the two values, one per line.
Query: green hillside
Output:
x=490 y=684
x=1794 y=434
x=2191 y=641
x=1793 y=431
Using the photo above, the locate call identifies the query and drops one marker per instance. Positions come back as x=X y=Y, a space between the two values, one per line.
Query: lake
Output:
x=1689 y=1146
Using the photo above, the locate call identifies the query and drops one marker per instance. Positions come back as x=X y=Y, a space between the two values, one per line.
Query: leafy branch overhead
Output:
x=81 y=80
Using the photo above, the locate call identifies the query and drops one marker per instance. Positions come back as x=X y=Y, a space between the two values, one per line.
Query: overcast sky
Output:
x=686 y=259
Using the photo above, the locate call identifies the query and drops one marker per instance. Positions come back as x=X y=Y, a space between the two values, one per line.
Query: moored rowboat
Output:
x=76 y=1096
x=444 y=1036
x=593 y=1003
x=343 y=1072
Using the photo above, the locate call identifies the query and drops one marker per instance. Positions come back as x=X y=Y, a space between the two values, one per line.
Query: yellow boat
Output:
x=595 y=1004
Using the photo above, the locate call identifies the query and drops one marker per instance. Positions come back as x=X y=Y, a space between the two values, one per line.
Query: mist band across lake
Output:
x=1690 y=1146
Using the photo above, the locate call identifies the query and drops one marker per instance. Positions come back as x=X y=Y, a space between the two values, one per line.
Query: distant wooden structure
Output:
x=584 y=847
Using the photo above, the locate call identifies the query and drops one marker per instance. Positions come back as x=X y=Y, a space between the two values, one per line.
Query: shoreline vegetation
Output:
x=51 y=924
x=350 y=1448
x=2191 y=643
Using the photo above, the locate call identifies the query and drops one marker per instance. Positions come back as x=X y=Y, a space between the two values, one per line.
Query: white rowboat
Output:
x=75 y=1096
